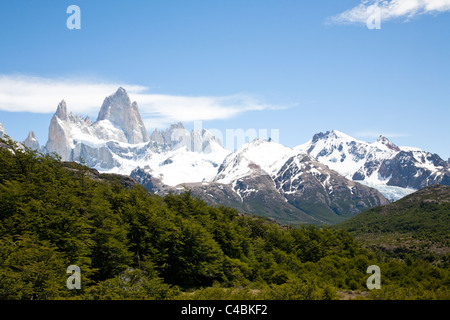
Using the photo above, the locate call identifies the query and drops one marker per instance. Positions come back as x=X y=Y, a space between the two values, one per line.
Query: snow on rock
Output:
x=124 y=114
x=394 y=171
x=31 y=141
x=2 y=130
x=259 y=157
x=118 y=142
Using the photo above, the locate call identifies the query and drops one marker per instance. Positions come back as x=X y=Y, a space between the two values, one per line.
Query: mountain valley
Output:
x=326 y=180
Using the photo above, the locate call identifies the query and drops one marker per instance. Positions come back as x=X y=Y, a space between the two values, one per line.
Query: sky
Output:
x=363 y=67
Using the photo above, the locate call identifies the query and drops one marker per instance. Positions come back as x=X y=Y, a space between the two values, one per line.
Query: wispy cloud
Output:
x=389 y=10
x=19 y=93
x=164 y=109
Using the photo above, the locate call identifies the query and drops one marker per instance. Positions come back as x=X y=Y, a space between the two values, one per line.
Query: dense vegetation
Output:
x=131 y=244
x=416 y=226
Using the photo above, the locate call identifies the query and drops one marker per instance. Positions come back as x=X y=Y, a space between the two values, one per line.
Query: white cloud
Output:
x=164 y=109
x=20 y=93
x=393 y=9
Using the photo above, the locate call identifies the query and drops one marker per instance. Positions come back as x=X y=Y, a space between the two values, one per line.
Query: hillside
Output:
x=417 y=225
x=132 y=244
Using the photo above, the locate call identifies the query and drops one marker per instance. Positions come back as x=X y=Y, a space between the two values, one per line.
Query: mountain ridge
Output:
x=380 y=164
x=325 y=180
x=296 y=189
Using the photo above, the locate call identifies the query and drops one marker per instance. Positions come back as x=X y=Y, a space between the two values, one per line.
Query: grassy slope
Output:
x=418 y=225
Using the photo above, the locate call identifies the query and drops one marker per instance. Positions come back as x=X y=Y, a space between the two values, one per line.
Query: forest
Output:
x=132 y=244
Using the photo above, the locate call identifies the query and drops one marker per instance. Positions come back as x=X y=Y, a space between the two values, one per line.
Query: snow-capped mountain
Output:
x=31 y=141
x=118 y=126
x=258 y=157
x=118 y=142
x=395 y=171
x=267 y=178
x=326 y=180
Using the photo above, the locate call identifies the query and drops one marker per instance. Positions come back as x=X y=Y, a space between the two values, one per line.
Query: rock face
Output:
x=396 y=171
x=171 y=138
x=118 y=142
x=177 y=137
x=119 y=121
x=415 y=169
x=146 y=180
x=119 y=110
x=315 y=189
x=269 y=179
x=31 y=141
x=59 y=133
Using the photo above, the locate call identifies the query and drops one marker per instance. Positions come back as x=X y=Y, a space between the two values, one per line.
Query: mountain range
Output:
x=327 y=180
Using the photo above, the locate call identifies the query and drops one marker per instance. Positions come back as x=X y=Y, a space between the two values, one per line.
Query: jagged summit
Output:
x=31 y=141
x=178 y=125
x=61 y=110
x=119 y=121
x=333 y=135
x=58 y=141
x=270 y=177
x=120 y=111
x=386 y=142
x=339 y=134
x=175 y=131
x=176 y=136
x=310 y=181
x=119 y=142
x=31 y=135
x=396 y=171
x=115 y=105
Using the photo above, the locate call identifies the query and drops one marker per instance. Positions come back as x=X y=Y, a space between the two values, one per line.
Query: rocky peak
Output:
x=119 y=102
x=204 y=141
x=118 y=109
x=177 y=126
x=385 y=141
x=61 y=111
x=31 y=141
x=333 y=136
x=319 y=136
x=177 y=132
x=57 y=132
x=157 y=137
x=172 y=136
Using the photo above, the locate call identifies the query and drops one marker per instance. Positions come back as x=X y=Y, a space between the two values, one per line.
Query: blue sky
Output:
x=301 y=67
